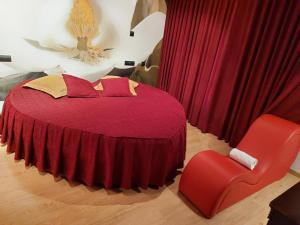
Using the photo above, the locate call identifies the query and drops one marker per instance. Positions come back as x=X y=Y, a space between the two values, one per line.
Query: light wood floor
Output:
x=30 y=198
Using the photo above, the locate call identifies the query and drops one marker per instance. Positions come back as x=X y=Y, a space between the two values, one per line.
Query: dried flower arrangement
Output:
x=82 y=25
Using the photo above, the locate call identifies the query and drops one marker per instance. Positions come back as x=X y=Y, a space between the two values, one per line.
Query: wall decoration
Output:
x=83 y=25
x=87 y=38
x=145 y=8
x=147 y=72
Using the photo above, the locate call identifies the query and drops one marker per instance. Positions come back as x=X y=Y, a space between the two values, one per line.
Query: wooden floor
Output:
x=28 y=197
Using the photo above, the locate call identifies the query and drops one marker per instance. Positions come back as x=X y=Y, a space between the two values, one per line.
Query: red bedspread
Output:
x=109 y=141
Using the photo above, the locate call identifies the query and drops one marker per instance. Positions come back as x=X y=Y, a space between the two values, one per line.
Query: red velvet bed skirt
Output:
x=89 y=157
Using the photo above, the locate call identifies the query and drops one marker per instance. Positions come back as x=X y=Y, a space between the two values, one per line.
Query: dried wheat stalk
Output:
x=83 y=25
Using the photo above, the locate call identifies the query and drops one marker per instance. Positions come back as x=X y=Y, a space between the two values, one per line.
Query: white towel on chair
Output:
x=1 y=106
x=243 y=158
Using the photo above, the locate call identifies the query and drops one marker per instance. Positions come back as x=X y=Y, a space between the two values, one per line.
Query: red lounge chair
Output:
x=213 y=182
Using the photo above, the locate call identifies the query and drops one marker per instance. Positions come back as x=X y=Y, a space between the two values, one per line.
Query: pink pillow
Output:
x=77 y=87
x=116 y=87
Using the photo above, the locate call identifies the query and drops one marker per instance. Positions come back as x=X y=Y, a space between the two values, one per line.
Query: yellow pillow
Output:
x=132 y=84
x=52 y=85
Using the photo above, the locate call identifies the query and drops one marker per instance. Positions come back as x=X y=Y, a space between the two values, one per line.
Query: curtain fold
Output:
x=229 y=61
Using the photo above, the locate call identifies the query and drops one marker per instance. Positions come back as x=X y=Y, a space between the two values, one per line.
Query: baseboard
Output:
x=297 y=174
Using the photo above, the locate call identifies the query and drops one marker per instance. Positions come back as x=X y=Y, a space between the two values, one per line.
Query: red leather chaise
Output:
x=213 y=182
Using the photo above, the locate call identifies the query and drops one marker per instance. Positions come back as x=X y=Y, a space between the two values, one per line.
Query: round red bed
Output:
x=110 y=141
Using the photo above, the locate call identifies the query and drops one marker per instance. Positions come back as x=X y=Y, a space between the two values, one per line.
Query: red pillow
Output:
x=77 y=87
x=116 y=87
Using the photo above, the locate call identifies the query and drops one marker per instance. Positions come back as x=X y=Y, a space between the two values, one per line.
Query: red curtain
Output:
x=229 y=61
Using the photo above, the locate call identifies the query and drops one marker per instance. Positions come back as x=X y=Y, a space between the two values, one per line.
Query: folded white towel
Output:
x=1 y=106
x=243 y=158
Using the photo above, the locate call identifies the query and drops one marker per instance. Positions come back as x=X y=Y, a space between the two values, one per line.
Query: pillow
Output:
x=77 y=87
x=10 y=81
x=243 y=158
x=116 y=88
x=132 y=84
x=52 y=85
